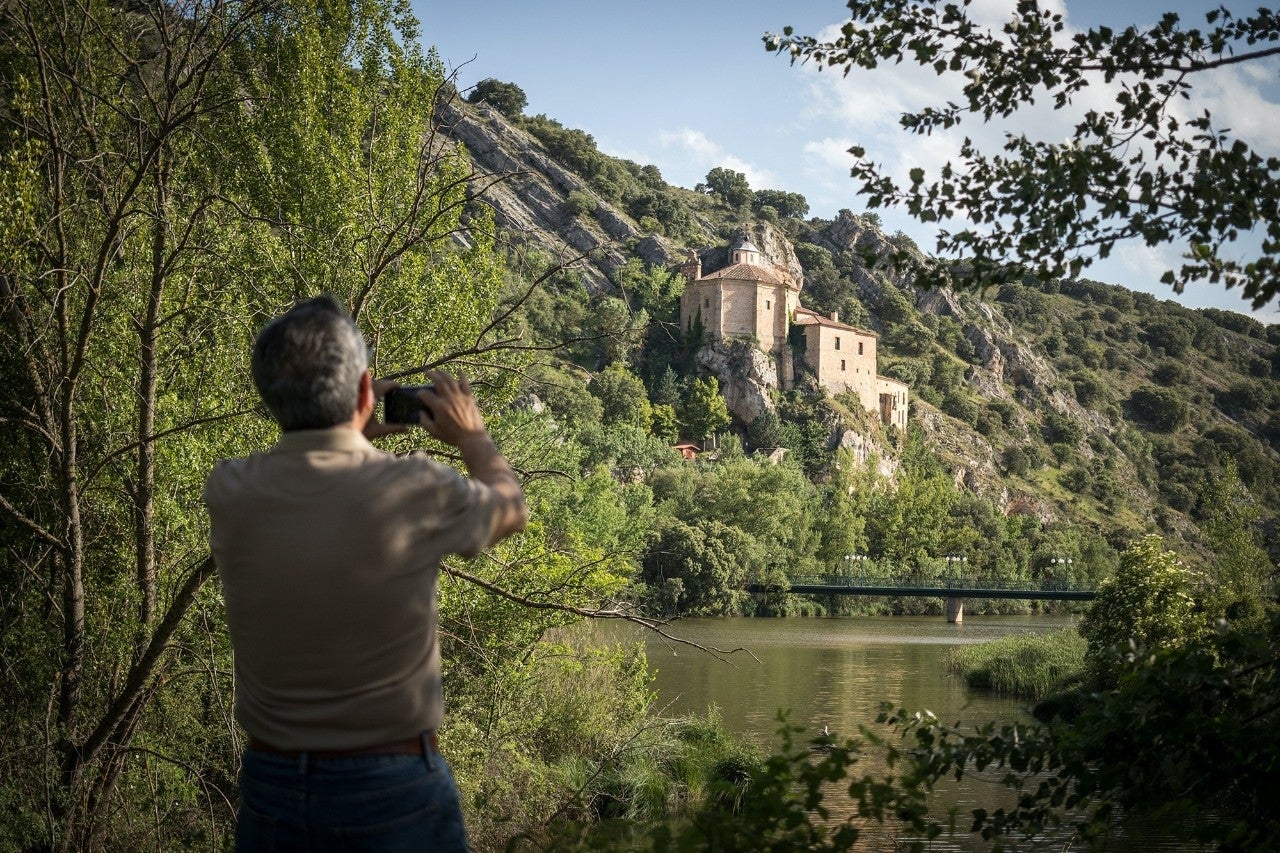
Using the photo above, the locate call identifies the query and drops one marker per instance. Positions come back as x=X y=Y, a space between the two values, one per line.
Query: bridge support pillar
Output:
x=955 y=611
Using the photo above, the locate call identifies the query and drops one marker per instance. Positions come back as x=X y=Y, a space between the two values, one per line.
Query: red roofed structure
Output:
x=755 y=300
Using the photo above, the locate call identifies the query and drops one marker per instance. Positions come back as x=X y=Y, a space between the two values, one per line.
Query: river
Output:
x=836 y=672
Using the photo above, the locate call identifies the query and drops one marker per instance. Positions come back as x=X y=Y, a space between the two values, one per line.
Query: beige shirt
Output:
x=328 y=550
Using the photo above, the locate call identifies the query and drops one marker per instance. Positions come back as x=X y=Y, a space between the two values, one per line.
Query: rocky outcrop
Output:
x=969 y=456
x=768 y=238
x=851 y=234
x=745 y=375
x=775 y=246
x=864 y=447
x=529 y=191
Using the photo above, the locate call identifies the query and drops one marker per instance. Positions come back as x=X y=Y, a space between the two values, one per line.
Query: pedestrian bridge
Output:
x=954 y=589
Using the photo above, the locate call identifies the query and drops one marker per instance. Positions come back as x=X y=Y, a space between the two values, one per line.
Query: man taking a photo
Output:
x=328 y=550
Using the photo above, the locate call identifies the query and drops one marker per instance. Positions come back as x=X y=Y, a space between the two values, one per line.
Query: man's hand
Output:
x=374 y=427
x=452 y=415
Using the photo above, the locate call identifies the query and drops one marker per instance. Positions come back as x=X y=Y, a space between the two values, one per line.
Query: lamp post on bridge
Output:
x=1054 y=563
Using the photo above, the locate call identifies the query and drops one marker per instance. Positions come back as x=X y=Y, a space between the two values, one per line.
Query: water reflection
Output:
x=836 y=672
x=832 y=672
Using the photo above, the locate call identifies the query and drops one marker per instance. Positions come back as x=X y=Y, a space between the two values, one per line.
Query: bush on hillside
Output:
x=1159 y=408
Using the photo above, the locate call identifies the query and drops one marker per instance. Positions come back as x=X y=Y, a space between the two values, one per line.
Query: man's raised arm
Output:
x=453 y=417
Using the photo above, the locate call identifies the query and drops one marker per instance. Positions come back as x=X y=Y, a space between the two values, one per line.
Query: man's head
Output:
x=307 y=364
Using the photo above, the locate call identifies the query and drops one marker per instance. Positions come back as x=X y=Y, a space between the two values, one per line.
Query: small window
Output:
x=842 y=364
x=859 y=347
x=706 y=302
x=837 y=343
x=768 y=306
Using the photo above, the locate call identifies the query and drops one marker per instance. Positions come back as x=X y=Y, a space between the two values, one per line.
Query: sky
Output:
x=686 y=85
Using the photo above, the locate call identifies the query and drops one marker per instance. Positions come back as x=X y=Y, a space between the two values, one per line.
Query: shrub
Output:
x=1169 y=372
x=1148 y=602
x=1015 y=460
x=959 y=406
x=580 y=203
x=1159 y=408
x=1060 y=429
x=1089 y=387
x=1170 y=333
x=1247 y=396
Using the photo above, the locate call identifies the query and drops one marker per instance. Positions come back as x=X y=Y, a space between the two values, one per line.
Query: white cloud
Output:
x=696 y=153
x=864 y=108
x=831 y=153
x=1236 y=99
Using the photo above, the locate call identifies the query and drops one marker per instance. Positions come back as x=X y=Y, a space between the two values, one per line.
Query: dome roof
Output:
x=747 y=246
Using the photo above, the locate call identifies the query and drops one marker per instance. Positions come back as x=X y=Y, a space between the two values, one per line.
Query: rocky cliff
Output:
x=529 y=193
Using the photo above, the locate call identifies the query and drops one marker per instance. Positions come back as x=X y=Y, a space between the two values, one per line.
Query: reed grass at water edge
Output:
x=1028 y=666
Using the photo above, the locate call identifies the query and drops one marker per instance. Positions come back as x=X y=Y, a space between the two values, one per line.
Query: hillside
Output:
x=1066 y=400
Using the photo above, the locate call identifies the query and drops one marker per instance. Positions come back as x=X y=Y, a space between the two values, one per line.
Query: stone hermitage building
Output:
x=756 y=300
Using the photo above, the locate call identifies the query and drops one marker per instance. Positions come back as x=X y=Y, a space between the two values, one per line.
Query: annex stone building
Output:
x=754 y=299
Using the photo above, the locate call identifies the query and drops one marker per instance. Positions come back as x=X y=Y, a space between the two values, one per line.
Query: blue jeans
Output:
x=383 y=803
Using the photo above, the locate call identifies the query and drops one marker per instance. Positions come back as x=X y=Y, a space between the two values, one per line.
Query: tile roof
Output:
x=749 y=272
x=809 y=317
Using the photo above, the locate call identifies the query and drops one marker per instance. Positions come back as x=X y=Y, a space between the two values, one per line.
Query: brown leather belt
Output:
x=408 y=746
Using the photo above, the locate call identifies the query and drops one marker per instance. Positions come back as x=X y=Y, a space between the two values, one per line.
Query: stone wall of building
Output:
x=844 y=360
x=738 y=308
x=892 y=403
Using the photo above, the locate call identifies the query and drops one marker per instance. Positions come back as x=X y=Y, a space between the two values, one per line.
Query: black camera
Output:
x=401 y=405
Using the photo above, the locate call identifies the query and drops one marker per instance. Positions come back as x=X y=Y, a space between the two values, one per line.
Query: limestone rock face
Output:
x=972 y=459
x=528 y=191
x=654 y=250
x=775 y=246
x=745 y=375
x=941 y=301
x=851 y=233
x=863 y=448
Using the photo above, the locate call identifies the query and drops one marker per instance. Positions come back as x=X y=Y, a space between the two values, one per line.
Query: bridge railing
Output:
x=960 y=584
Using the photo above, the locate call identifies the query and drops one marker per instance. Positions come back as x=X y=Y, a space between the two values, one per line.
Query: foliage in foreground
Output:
x=1045 y=205
x=1029 y=666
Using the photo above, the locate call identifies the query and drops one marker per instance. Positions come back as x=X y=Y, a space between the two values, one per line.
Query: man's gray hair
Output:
x=307 y=364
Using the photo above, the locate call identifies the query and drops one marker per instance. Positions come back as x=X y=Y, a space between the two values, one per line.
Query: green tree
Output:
x=569 y=399
x=175 y=175
x=1244 y=579
x=665 y=423
x=507 y=98
x=1148 y=601
x=654 y=288
x=698 y=569
x=622 y=397
x=729 y=186
x=765 y=432
x=788 y=204
x=1049 y=205
x=703 y=410
x=667 y=390
x=616 y=330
